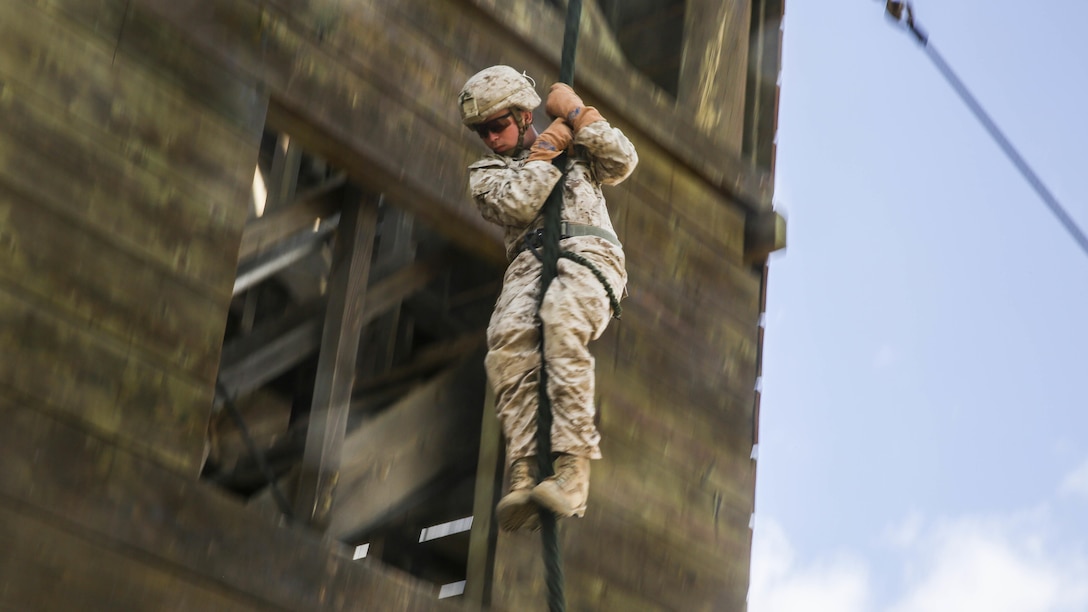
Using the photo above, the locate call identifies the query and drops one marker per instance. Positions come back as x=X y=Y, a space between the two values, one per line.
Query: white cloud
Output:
x=991 y=565
x=1076 y=482
x=778 y=585
x=1007 y=564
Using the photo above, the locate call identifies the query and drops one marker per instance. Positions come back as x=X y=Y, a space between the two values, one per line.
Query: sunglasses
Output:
x=495 y=126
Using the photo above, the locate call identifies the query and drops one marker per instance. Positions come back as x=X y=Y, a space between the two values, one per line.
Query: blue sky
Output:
x=923 y=445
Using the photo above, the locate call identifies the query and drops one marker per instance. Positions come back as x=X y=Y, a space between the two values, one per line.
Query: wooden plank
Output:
x=385 y=336
x=107 y=494
x=665 y=262
x=395 y=456
x=276 y=347
x=238 y=99
x=134 y=40
x=108 y=289
x=761 y=95
x=652 y=176
x=714 y=69
x=706 y=215
x=490 y=466
x=596 y=593
x=646 y=561
x=704 y=344
x=684 y=374
x=155 y=215
x=656 y=486
x=298 y=257
x=427 y=360
x=695 y=441
x=91 y=378
x=104 y=18
x=272 y=349
x=265 y=232
x=267 y=417
x=336 y=363
x=46 y=567
x=667 y=570
x=137 y=114
x=282 y=177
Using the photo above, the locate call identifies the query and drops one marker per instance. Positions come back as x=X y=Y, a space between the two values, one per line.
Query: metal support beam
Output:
x=336 y=363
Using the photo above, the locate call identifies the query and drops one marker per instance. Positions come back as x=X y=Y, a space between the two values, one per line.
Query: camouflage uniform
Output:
x=510 y=192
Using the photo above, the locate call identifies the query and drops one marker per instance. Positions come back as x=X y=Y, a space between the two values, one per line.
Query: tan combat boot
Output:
x=565 y=493
x=516 y=510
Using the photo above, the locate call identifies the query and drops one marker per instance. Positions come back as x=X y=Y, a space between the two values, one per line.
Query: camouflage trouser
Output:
x=575 y=311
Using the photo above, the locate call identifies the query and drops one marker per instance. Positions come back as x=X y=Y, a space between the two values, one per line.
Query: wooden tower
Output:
x=236 y=247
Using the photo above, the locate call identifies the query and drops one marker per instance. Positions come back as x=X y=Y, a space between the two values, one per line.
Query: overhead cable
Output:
x=902 y=13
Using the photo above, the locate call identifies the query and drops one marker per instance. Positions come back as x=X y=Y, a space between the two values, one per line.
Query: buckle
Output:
x=534 y=240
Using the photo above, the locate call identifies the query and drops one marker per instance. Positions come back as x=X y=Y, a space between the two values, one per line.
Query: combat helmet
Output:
x=493 y=89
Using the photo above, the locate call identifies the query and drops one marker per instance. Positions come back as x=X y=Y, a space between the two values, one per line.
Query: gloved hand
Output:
x=551 y=142
x=565 y=104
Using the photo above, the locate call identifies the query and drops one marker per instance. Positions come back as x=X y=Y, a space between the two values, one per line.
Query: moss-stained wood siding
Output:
x=128 y=534
x=122 y=199
x=126 y=160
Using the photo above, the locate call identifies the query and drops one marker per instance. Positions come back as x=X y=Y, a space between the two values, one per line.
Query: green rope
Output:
x=617 y=310
x=553 y=562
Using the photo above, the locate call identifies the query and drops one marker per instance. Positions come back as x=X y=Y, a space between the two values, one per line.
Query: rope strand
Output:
x=549 y=532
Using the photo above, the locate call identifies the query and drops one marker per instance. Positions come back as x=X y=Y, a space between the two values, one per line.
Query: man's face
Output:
x=500 y=132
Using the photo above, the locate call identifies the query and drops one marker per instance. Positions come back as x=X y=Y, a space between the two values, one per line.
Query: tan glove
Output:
x=564 y=103
x=551 y=142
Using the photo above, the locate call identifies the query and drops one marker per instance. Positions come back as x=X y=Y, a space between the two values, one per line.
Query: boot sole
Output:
x=517 y=511
x=548 y=495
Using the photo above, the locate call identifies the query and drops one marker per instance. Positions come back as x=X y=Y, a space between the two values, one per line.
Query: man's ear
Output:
x=527 y=117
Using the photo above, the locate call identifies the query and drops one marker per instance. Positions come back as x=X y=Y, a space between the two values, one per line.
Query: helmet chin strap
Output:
x=522 y=127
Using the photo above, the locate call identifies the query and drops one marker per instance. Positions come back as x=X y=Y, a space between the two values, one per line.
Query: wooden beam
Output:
x=336 y=364
x=271 y=350
x=283 y=176
x=485 y=533
x=265 y=232
x=398 y=454
x=396 y=249
x=283 y=256
x=714 y=68
x=46 y=567
x=761 y=96
x=426 y=360
x=122 y=504
x=145 y=200
x=276 y=347
x=74 y=370
x=764 y=234
x=266 y=415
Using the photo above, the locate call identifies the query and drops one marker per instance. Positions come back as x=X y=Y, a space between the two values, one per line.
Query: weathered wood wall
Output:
x=130 y=134
x=126 y=160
